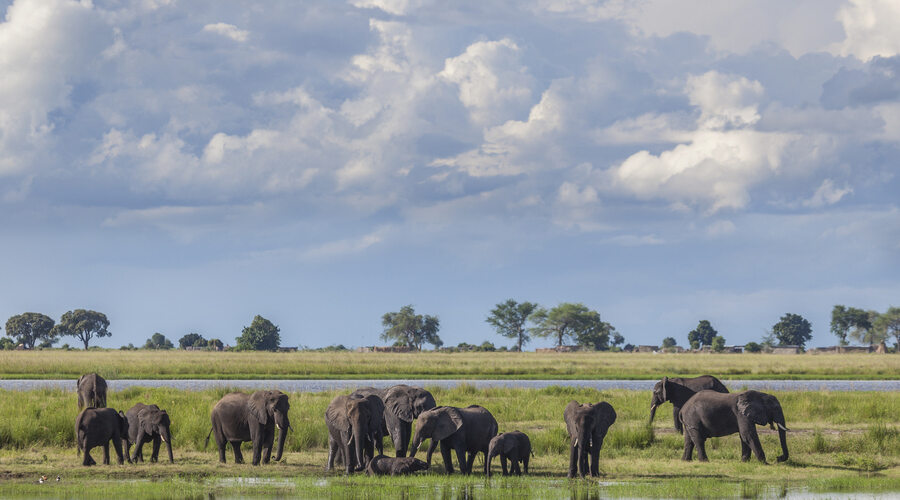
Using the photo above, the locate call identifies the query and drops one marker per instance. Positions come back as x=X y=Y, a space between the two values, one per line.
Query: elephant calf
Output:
x=97 y=427
x=383 y=465
x=148 y=423
x=587 y=425
x=514 y=446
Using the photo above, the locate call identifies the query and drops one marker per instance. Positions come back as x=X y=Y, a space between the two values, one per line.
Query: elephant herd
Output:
x=358 y=422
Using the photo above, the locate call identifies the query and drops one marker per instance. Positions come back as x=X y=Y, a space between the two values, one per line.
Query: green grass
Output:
x=840 y=442
x=57 y=364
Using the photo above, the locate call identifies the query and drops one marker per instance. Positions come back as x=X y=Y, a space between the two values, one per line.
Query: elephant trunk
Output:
x=653 y=412
x=166 y=436
x=360 y=436
x=283 y=427
x=492 y=452
x=417 y=441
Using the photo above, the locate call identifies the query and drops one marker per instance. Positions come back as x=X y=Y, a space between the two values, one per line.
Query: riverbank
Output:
x=176 y=364
x=846 y=442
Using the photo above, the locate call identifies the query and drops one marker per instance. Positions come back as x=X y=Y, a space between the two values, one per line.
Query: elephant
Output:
x=97 y=427
x=514 y=446
x=679 y=390
x=587 y=425
x=466 y=430
x=394 y=466
x=148 y=423
x=402 y=405
x=91 y=390
x=354 y=430
x=713 y=414
x=239 y=417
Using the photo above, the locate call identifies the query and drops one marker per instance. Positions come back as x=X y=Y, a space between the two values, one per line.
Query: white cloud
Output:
x=827 y=194
x=396 y=7
x=724 y=100
x=228 y=30
x=492 y=82
x=344 y=247
x=871 y=29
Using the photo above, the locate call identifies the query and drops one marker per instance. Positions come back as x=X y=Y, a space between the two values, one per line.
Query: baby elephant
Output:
x=514 y=446
x=96 y=427
x=383 y=465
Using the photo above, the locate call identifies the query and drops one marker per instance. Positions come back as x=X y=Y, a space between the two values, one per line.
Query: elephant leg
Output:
x=688 y=448
x=503 y=464
x=401 y=442
x=117 y=445
x=464 y=463
x=448 y=458
x=676 y=415
x=88 y=459
x=700 y=443
x=745 y=450
x=106 y=453
x=752 y=439
x=583 y=451
x=470 y=461
x=332 y=449
x=573 y=461
x=267 y=446
x=236 y=448
x=221 y=445
x=157 y=441
x=525 y=464
x=514 y=469
x=595 y=457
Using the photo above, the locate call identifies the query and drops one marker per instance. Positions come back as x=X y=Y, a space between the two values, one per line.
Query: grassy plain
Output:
x=113 y=364
x=840 y=442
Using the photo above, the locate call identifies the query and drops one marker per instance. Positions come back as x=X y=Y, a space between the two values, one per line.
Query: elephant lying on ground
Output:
x=402 y=406
x=713 y=414
x=239 y=417
x=678 y=390
x=148 y=423
x=97 y=427
x=466 y=430
x=587 y=425
x=91 y=390
x=394 y=466
x=514 y=446
x=354 y=430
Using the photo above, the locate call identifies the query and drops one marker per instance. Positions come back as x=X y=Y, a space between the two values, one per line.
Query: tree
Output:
x=158 y=341
x=192 y=340
x=82 y=324
x=407 y=328
x=261 y=335
x=718 y=343
x=7 y=344
x=29 y=328
x=618 y=339
x=669 y=342
x=888 y=324
x=214 y=344
x=702 y=335
x=792 y=329
x=570 y=321
x=864 y=330
x=857 y=322
x=752 y=347
x=509 y=320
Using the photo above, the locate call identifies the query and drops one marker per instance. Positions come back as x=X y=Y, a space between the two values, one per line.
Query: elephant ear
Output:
x=257 y=406
x=422 y=401
x=145 y=421
x=665 y=382
x=509 y=444
x=605 y=414
x=751 y=405
x=569 y=415
x=336 y=414
x=398 y=403
x=449 y=421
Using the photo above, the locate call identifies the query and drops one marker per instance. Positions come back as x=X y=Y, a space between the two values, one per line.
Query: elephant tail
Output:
x=207 y=438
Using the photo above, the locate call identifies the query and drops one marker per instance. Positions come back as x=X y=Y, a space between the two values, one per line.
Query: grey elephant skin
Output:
x=97 y=427
x=354 y=430
x=402 y=406
x=713 y=414
x=513 y=446
x=394 y=466
x=679 y=390
x=466 y=430
x=587 y=425
x=148 y=423
x=91 y=390
x=239 y=417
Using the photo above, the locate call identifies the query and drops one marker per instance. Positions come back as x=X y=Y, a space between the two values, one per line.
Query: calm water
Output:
x=324 y=385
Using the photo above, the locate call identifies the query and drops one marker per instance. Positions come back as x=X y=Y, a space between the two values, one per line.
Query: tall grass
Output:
x=329 y=365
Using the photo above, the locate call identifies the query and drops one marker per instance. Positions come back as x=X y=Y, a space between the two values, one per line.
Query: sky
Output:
x=183 y=166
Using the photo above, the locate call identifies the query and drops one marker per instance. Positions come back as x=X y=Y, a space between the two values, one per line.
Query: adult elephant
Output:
x=402 y=406
x=678 y=390
x=97 y=427
x=354 y=430
x=148 y=423
x=239 y=417
x=91 y=390
x=465 y=430
x=713 y=414
x=587 y=425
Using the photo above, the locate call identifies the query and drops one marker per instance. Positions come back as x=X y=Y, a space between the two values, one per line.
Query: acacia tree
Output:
x=29 y=328
x=82 y=324
x=572 y=321
x=406 y=328
x=702 y=335
x=509 y=320
x=261 y=335
x=888 y=324
x=856 y=322
x=792 y=329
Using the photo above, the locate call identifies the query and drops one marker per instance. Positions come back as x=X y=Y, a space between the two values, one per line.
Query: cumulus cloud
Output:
x=871 y=29
x=827 y=194
x=228 y=30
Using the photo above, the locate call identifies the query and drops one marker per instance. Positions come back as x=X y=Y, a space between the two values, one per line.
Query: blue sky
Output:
x=184 y=166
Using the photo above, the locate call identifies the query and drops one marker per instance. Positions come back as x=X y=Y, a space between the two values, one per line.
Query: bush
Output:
x=752 y=347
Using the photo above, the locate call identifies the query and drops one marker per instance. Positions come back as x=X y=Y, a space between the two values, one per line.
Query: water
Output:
x=325 y=385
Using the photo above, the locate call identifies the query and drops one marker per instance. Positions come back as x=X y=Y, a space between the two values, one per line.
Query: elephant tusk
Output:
x=163 y=439
x=783 y=428
x=278 y=427
x=576 y=442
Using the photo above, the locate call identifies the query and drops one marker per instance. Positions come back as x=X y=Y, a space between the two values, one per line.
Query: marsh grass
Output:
x=176 y=364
